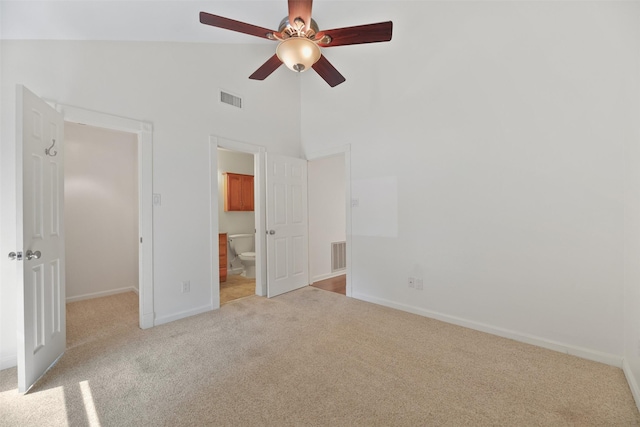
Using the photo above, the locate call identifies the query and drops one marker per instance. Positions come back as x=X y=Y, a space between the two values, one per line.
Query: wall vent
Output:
x=228 y=98
x=338 y=256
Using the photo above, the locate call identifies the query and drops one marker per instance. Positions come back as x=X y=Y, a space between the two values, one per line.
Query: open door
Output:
x=40 y=228
x=287 y=230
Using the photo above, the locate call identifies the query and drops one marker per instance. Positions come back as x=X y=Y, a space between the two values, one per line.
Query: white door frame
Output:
x=144 y=132
x=329 y=152
x=258 y=152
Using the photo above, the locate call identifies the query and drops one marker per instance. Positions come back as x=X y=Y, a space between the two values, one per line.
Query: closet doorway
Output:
x=101 y=212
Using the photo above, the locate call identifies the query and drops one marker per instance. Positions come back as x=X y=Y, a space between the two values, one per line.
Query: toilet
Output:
x=242 y=246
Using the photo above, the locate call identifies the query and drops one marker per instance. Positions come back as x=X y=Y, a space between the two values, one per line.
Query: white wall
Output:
x=101 y=211
x=327 y=221
x=499 y=132
x=234 y=222
x=174 y=86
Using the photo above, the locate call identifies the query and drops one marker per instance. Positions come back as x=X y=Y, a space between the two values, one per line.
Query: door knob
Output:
x=15 y=256
x=31 y=255
x=272 y=232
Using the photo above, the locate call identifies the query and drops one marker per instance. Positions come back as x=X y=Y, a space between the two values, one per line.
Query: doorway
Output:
x=329 y=177
x=256 y=155
x=101 y=212
x=236 y=224
x=143 y=135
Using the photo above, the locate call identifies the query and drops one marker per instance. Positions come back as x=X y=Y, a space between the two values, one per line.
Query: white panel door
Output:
x=287 y=231
x=40 y=207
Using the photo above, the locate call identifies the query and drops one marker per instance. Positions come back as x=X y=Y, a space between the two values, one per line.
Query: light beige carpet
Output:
x=310 y=357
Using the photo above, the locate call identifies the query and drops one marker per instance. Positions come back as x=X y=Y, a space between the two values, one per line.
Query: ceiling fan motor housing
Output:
x=286 y=27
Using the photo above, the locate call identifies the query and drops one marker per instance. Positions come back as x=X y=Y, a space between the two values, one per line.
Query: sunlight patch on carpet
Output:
x=89 y=407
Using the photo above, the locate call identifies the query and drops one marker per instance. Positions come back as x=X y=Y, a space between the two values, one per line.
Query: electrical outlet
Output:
x=412 y=282
x=186 y=286
x=419 y=284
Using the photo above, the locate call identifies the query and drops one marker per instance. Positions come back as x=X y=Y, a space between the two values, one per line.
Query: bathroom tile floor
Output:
x=236 y=287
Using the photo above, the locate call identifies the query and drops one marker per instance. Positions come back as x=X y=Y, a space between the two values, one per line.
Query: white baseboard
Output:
x=181 y=315
x=135 y=290
x=631 y=380
x=328 y=276
x=101 y=294
x=8 y=362
x=596 y=356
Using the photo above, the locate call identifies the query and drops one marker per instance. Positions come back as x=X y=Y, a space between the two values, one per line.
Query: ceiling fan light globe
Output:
x=298 y=53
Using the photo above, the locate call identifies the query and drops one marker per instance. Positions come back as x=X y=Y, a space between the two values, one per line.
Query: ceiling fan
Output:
x=300 y=40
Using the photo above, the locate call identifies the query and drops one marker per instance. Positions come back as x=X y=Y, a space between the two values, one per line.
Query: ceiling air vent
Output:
x=233 y=100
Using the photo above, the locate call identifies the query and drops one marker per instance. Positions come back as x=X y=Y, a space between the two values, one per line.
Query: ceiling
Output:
x=152 y=20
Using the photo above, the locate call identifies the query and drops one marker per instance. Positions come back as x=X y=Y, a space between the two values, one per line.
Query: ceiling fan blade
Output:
x=370 y=33
x=267 y=68
x=300 y=9
x=230 y=24
x=328 y=72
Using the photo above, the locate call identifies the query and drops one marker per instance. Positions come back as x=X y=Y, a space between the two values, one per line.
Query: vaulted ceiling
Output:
x=151 y=20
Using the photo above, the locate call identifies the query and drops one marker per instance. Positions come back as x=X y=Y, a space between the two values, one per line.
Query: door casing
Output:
x=144 y=133
x=258 y=152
